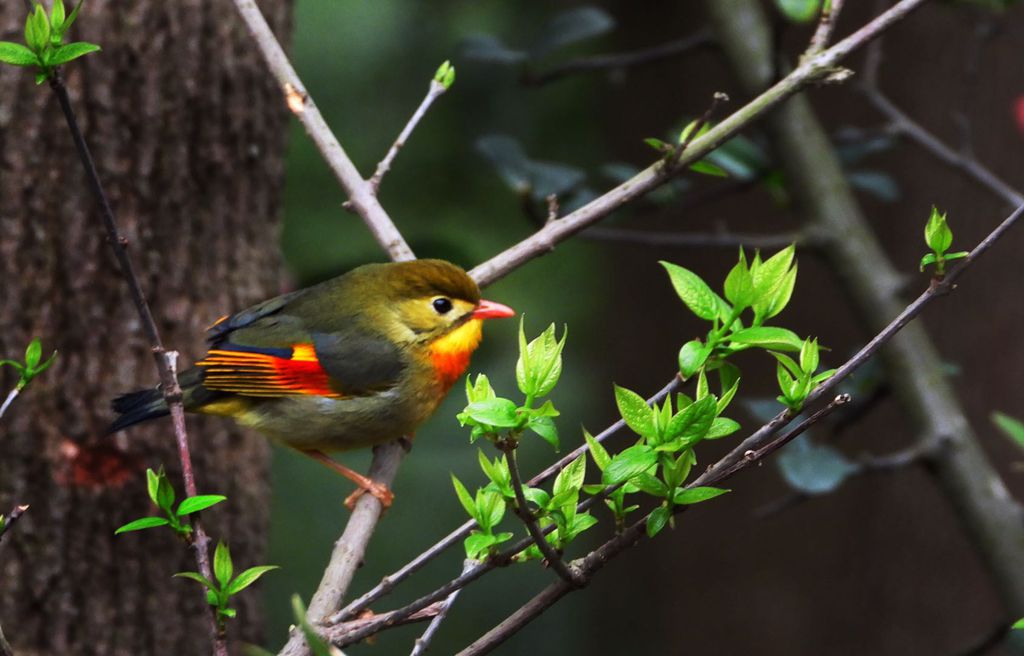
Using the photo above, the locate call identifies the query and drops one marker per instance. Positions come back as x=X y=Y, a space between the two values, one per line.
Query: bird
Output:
x=354 y=361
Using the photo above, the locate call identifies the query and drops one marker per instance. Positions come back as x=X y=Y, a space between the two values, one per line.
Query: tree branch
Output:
x=13 y=394
x=165 y=360
x=596 y=63
x=811 y=70
x=826 y=25
x=567 y=573
x=433 y=93
x=390 y=581
x=423 y=642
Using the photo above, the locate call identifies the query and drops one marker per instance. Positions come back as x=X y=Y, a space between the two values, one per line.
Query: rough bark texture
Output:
x=188 y=134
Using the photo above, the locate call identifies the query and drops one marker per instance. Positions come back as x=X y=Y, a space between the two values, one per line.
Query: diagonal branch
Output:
x=750 y=451
x=165 y=360
x=433 y=93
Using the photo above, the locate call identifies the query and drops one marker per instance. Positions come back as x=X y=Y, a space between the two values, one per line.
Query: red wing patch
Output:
x=261 y=374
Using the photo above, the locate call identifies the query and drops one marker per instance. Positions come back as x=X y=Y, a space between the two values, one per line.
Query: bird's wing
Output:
x=265 y=351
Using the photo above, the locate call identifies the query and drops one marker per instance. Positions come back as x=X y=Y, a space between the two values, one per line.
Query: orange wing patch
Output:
x=261 y=374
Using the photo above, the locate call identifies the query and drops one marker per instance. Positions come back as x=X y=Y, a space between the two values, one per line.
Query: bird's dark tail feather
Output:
x=136 y=407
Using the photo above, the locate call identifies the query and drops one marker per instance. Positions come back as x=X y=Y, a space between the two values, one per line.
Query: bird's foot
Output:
x=379 y=490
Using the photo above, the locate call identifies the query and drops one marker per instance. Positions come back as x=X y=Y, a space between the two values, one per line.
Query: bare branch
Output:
x=340 y=632
x=13 y=394
x=165 y=360
x=361 y=194
x=423 y=642
x=614 y=61
x=810 y=70
x=904 y=125
x=826 y=25
x=433 y=93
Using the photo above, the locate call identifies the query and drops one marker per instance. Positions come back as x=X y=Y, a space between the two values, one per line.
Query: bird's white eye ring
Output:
x=442 y=305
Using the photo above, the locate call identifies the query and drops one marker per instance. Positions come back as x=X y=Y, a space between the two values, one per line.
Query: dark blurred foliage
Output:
x=879 y=565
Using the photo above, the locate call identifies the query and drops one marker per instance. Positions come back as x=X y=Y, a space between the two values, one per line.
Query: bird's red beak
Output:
x=491 y=310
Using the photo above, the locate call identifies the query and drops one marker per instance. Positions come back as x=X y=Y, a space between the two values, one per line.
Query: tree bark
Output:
x=188 y=134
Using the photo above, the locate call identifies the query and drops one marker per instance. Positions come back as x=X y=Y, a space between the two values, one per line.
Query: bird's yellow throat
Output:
x=450 y=354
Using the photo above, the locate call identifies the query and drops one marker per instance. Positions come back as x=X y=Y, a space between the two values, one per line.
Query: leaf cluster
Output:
x=161 y=492
x=32 y=366
x=219 y=594
x=44 y=46
x=939 y=237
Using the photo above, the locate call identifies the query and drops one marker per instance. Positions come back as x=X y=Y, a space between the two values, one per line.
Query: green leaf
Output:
x=478 y=543
x=799 y=11
x=313 y=639
x=71 y=17
x=693 y=495
x=33 y=354
x=248 y=577
x=956 y=256
x=928 y=259
x=659 y=145
x=727 y=396
x=17 y=54
x=490 y=507
x=628 y=463
x=657 y=519
x=739 y=284
x=789 y=363
x=1013 y=428
x=1019 y=624
x=222 y=567
x=153 y=484
x=37 y=30
x=540 y=362
x=69 y=52
x=479 y=391
x=537 y=496
x=813 y=468
x=635 y=412
x=464 y=498
x=145 y=522
x=199 y=502
x=570 y=479
x=693 y=291
x=649 y=485
x=497 y=412
x=707 y=168
x=824 y=375
x=445 y=74
x=768 y=337
x=597 y=451
x=164 y=493
x=937 y=234
x=199 y=578
x=689 y=426
x=57 y=16
x=545 y=427
x=688 y=129
x=809 y=356
x=721 y=427
x=692 y=357
x=767 y=307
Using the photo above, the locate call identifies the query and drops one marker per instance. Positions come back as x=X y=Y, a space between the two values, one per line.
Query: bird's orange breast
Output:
x=450 y=354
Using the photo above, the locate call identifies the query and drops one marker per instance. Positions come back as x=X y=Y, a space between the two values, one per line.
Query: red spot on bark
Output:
x=96 y=466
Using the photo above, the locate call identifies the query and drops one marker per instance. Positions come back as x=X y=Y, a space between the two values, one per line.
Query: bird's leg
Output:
x=379 y=490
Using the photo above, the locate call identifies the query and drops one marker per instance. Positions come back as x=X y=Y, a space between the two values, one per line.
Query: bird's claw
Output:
x=382 y=492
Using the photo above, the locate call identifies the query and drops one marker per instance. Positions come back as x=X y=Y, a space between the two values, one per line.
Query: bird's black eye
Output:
x=442 y=305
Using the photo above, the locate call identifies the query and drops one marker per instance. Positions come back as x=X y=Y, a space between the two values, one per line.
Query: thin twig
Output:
x=391 y=580
x=907 y=126
x=11 y=518
x=741 y=457
x=339 y=633
x=620 y=60
x=433 y=92
x=716 y=99
x=826 y=25
x=567 y=573
x=165 y=360
x=13 y=394
x=423 y=642
x=361 y=194
x=811 y=70
x=696 y=239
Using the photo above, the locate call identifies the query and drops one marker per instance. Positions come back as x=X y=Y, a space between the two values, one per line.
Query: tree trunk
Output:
x=188 y=134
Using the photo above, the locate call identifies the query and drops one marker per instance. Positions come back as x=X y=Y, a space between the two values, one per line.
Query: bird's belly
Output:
x=333 y=424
